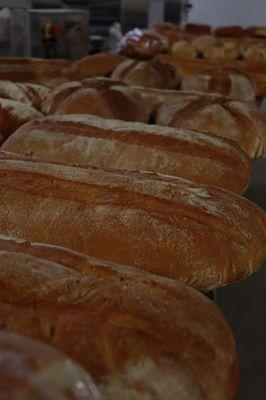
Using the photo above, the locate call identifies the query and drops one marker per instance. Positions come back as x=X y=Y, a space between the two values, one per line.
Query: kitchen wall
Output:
x=229 y=12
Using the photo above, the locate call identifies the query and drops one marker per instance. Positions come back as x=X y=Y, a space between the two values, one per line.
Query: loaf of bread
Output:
x=242 y=122
x=202 y=43
x=183 y=49
x=100 y=64
x=198 y=29
x=140 y=147
x=147 y=73
x=98 y=96
x=230 y=82
x=163 y=225
x=226 y=50
x=26 y=93
x=256 y=31
x=34 y=70
x=146 y=338
x=172 y=32
x=32 y=370
x=144 y=44
x=13 y=114
x=229 y=31
x=255 y=53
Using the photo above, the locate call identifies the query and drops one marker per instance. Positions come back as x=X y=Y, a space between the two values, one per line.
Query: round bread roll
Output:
x=144 y=44
x=230 y=82
x=98 y=96
x=147 y=73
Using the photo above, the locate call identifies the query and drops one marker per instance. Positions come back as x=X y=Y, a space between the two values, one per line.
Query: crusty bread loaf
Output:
x=116 y=144
x=227 y=50
x=234 y=31
x=230 y=82
x=156 y=97
x=98 y=96
x=144 y=44
x=172 y=32
x=27 y=93
x=34 y=70
x=13 y=114
x=160 y=224
x=183 y=50
x=201 y=43
x=255 y=53
x=256 y=31
x=242 y=122
x=32 y=370
x=198 y=29
x=147 y=73
x=257 y=71
x=100 y=64
x=151 y=338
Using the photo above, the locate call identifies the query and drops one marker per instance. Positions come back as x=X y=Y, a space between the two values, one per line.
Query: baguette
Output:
x=160 y=224
x=242 y=122
x=32 y=370
x=134 y=336
x=116 y=144
x=98 y=96
x=13 y=114
x=27 y=93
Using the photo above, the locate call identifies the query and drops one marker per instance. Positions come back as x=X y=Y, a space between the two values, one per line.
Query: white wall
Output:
x=229 y=12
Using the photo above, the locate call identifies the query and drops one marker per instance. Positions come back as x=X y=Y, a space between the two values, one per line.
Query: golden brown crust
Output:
x=100 y=64
x=13 y=114
x=44 y=72
x=98 y=96
x=144 y=44
x=229 y=31
x=198 y=29
x=116 y=144
x=27 y=93
x=114 y=327
x=163 y=225
x=241 y=122
x=230 y=82
x=172 y=32
x=183 y=50
x=147 y=73
x=255 y=53
x=34 y=371
x=257 y=71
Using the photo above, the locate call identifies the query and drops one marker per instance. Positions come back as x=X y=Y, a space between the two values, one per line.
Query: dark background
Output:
x=244 y=306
